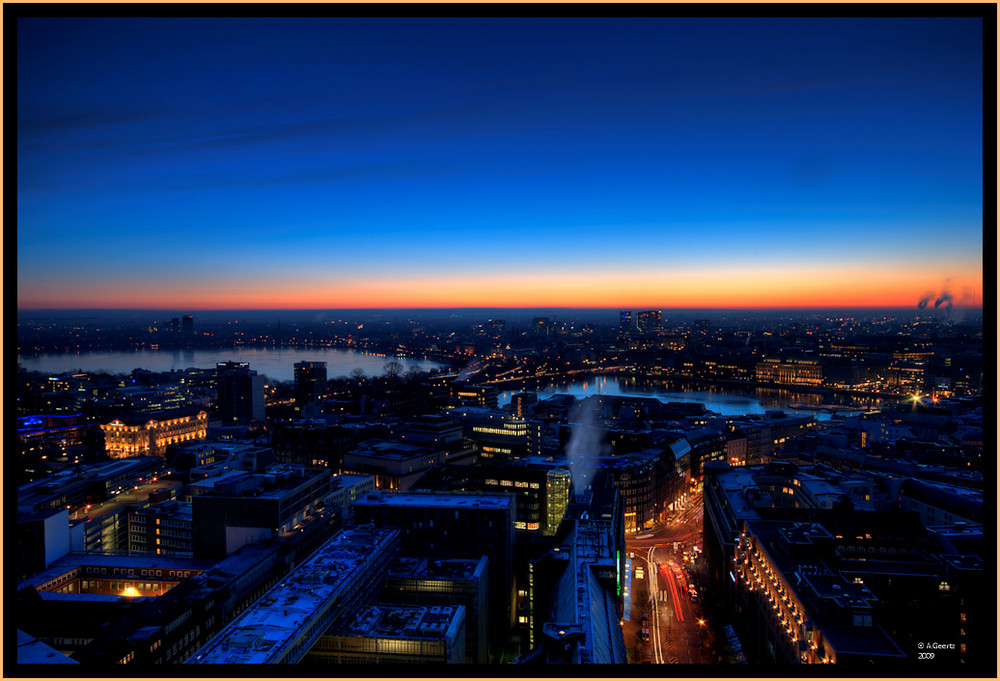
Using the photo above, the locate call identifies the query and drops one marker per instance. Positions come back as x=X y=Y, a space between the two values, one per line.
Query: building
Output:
x=768 y=434
x=541 y=491
x=150 y=399
x=166 y=528
x=455 y=525
x=795 y=609
x=395 y=634
x=571 y=607
x=345 y=489
x=467 y=395
x=150 y=434
x=394 y=465
x=332 y=585
x=626 y=323
x=648 y=482
x=310 y=382
x=790 y=547
x=43 y=432
x=80 y=597
x=83 y=486
x=42 y=537
x=240 y=508
x=788 y=371
x=521 y=404
x=648 y=321
x=500 y=437
x=187 y=325
x=240 y=393
x=450 y=582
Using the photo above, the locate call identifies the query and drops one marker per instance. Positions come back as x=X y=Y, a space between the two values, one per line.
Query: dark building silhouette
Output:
x=240 y=393
x=310 y=382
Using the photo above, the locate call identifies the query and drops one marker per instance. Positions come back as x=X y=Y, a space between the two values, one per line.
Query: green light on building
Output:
x=618 y=571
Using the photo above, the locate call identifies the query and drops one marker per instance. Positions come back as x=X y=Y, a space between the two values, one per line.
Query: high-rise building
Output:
x=187 y=322
x=240 y=391
x=648 y=321
x=310 y=381
x=625 y=321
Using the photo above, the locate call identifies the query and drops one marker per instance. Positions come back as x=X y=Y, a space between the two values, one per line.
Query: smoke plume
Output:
x=585 y=445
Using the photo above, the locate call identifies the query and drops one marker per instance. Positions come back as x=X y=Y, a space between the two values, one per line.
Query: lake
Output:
x=275 y=363
x=728 y=401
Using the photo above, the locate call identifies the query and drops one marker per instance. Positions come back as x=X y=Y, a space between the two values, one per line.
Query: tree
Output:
x=358 y=374
x=393 y=368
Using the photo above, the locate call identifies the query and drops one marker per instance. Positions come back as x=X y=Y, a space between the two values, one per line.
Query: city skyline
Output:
x=334 y=163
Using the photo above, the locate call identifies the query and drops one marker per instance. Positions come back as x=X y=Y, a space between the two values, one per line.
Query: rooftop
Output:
x=449 y=500
x=404 y=621
x=264 y=630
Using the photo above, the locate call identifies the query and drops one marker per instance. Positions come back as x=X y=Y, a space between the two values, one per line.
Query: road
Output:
x=678 y=633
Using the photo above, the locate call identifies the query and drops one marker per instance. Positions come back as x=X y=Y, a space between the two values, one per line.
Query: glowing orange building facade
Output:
x=152 y=436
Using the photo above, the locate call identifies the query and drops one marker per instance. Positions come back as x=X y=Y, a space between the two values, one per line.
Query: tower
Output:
x=310 y=381
x=240 y=392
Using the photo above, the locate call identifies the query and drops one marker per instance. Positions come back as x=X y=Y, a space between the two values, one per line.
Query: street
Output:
x=666 y=602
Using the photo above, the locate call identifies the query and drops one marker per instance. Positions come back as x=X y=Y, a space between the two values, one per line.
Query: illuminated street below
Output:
x=667 y=600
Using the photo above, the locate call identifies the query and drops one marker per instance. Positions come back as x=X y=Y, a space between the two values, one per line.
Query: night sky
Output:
x=326 y=163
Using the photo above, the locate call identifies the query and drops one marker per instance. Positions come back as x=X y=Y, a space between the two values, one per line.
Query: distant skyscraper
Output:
x=310 y=381
x=648 y=320
x=625 y=323
x=188 y=325
x=241 y=393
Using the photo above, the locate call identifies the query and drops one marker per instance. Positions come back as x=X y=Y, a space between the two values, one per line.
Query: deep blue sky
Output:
x=208 y=163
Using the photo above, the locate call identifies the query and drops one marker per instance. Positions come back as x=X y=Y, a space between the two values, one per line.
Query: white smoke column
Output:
x=584 y=446
x=470 y=369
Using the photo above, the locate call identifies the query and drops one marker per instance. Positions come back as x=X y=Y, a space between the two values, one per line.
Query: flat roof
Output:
x=403 y=621
x=263 y=630
x=434 y=499
x=73 y=561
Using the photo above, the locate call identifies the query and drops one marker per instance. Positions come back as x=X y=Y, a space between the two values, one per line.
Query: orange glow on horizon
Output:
x=732 y=289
